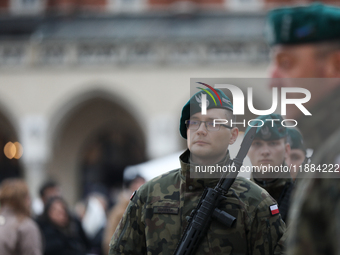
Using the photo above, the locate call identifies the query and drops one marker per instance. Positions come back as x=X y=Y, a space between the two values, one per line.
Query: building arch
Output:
x=95 y=139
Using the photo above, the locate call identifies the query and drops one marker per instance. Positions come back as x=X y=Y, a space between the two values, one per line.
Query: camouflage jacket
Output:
x=314 y=218
x=156 y=217
x=280 y=189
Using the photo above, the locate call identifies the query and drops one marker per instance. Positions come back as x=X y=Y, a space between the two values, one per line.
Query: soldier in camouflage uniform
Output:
x=306 y=44
x=157 y=214
x=270 y=149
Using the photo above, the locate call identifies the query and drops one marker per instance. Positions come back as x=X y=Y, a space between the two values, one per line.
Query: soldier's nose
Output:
x=202 y=129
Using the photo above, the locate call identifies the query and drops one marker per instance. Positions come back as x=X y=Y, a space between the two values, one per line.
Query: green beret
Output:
x=194 y=104
x=300 y=25
x=295 y=139
x=270 y=130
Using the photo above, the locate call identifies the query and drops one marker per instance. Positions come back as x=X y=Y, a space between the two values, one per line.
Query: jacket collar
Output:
x=198 y=181
x=283 y=178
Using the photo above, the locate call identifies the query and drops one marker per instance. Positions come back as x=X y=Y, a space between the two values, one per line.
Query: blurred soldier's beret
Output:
x=271 y=129
x=295 y=139
x=194 y=105
x=300 y=25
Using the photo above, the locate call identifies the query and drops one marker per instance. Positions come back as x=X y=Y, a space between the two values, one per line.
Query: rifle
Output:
x=206 y=210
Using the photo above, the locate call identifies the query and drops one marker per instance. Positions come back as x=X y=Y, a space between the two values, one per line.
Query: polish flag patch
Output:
x=133 y=194
x=274 y=209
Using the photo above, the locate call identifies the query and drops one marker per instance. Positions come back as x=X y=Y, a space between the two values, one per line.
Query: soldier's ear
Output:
x=234 y=135
x=333 y=69
x=287 y=151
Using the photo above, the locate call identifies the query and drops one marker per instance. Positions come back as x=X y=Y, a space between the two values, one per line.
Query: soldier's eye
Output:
x=256 y=144
x=193 y=123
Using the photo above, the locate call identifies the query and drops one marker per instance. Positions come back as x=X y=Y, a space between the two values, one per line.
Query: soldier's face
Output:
x=265 y=153
x=302 y=61
x=209 y=147
x=299 y=61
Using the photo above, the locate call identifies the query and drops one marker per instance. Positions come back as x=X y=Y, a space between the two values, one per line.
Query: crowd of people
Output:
x=57 y=230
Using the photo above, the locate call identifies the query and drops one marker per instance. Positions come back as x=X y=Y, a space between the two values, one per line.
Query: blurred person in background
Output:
x=62 y=233
x=47 y=190
x=297 y=155
x=131 y=184
x=19 y=234
x=270 y=149
x=305 y=43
